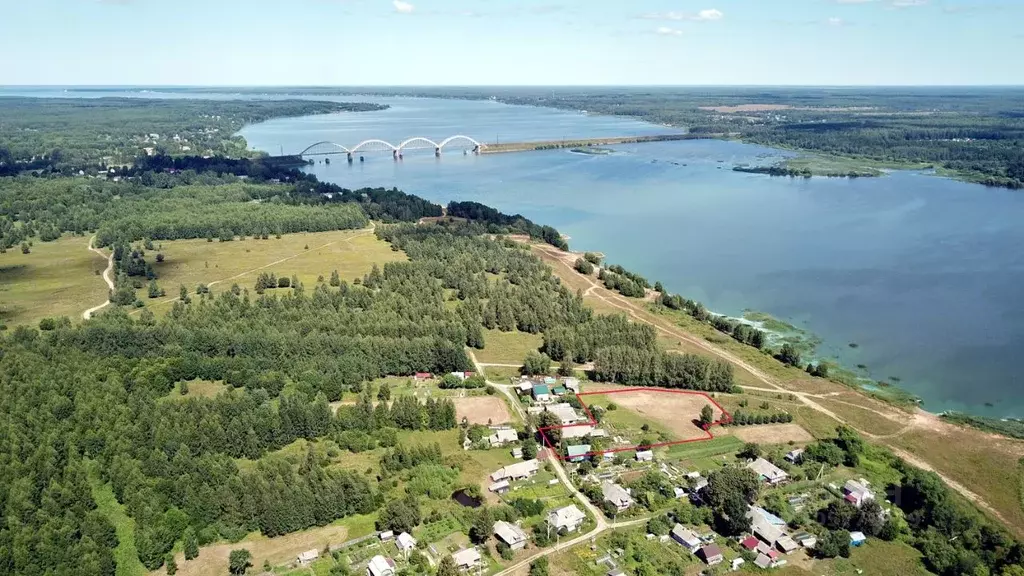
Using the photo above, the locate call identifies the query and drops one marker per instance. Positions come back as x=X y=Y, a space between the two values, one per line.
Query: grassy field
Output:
x=862 y=418
x=197 y=389
x=125 y=554
x=306 y=255
x=55 y=279
x=507 y=347
x=500 y=373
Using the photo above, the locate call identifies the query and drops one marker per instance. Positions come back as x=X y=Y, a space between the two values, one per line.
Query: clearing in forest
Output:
x=482 y=410
x=54 y=279
x=675 y=411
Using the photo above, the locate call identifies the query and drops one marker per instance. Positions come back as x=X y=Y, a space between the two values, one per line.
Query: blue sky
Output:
x=512 y=42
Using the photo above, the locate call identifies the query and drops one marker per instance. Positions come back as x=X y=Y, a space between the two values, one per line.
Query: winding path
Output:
x=106 y=277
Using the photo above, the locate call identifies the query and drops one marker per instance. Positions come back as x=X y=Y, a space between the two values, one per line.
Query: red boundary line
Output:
x=726 y=418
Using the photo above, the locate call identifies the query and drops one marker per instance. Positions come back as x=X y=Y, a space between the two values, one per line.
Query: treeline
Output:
x=63 y=136
x=498 y=222
x=740 y=331
x=638 y=367
x=741 y=418
x=581 y=342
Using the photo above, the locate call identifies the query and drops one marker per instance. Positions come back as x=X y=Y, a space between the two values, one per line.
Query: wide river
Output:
x=924 y=274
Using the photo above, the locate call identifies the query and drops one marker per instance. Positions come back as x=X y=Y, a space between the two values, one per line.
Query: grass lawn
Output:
x=125 y=554
x=863 y=419
x=507 y=347
x=191 y=262
x=877 y=558
x=499 y=374
x=197 y=389
x=55 y=279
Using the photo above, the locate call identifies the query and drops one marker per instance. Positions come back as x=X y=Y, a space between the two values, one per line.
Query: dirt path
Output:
x=275 y=263
x=106 y=277
x=566 y=260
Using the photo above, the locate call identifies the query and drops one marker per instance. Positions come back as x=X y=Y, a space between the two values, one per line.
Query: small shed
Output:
x=857 y=538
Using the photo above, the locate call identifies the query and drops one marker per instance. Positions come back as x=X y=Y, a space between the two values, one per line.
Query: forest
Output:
x=68 y=135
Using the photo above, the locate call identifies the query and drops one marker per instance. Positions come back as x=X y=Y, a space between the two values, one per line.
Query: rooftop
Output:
x=578 y=450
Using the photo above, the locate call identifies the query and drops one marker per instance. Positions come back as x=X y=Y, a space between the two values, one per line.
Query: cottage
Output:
x=510 y=534
x=466 y=559
x=578 y=453
x=517 y=471
x=573 y=432
x=763 y=525
x=460 y=375
x=422 y=376
x=387 y=535
x=768 y=472
x=688 y=538
x=711 y=554
x=541 y=393
x=307 y=557
x=517 y=452
x=857 y=538
x=499 y=487
x=569 y=518
x=405 y=542
x=380 y=566
x=616 y=495
x=565 y=413
x=857 y=493
x=550 y=381
x=644 y=456
x=502 y=437
x=795 y=456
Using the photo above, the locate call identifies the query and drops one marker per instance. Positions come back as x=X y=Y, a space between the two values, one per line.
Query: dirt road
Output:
x=106 y=278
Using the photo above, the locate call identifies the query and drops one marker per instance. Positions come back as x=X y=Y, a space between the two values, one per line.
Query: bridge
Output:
x=375 y=145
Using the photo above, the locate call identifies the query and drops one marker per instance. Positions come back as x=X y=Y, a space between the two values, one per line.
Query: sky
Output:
x=511 y=42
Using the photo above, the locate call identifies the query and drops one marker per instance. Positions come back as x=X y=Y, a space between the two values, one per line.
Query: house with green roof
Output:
x=541 y=393
x=578 y=453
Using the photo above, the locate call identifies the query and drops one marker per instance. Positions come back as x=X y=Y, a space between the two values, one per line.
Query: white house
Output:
x=307 y=557
x=405 y=542
x=616 y=496
x=466 y=559
x=380 y=566
x=688 y=538
x=570 y=518
x=644 y=456
x=516 y=471
x=768 y=472
x=510 y=534
x=502 y=437
x=857 y=493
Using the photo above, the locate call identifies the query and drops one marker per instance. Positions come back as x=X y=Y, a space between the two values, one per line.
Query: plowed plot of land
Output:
x=674 y=411
x=772 y=434
x=482 y=410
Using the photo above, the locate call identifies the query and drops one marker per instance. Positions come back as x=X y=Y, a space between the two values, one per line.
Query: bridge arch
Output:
x=403 y=145
x=450 y=139
x=362 y=145
x=323 y=149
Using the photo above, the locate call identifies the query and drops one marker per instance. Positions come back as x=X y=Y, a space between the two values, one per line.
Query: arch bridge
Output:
x=376 y=145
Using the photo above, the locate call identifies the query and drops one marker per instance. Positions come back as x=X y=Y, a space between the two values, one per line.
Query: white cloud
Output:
x=403 y=7
x=666 y=31
x=833 y=21
x=706 y=15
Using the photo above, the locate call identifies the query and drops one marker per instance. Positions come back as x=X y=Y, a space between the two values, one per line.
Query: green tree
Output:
x=707 y=415
x=536 y=363
x=529 y=448
x=447 y=567
x=154 y=290
x=335 y=279
x=239 y=561
x=732 y=517
x=539 y=567
x=833 y=544
x=183 y=388
x=750 y=450
x=732 y=481
x=788 y=354
x=480 y=531
x=384 y=393
x=190 y=540
x=171 y=565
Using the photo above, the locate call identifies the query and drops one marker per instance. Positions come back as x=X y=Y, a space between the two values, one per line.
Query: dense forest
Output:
x=68 y=135
x=977 y=133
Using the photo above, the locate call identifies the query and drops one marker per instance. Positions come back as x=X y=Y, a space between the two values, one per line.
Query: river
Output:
x=922 y=273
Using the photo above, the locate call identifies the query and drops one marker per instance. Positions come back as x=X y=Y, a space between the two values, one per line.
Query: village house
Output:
x=422 y=376
x=581 y=430
x=795 y=456
x=565 y=413
x=711 y=554
x=768 y=472
x=510 y=534
x=541 y=393
x=306 y=558
x=499 y=487
x=380 y=566
x=502 y=437
x=405 y=542
x=570 y=518
x=466 y=559
x=517 y=471
x=857 y=493
x=644 y=456
x=688 y=538
x=578 y=452
x=766 y=526
x=616 y=495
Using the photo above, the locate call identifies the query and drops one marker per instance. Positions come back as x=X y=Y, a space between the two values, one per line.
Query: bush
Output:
x=284 y=282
